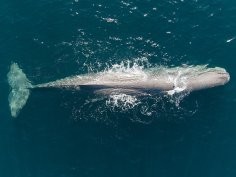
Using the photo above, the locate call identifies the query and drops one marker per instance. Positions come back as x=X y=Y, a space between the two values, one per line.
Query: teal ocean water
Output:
x=65 y=133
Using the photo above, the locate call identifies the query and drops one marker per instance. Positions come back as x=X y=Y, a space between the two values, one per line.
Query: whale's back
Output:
x=188 y=78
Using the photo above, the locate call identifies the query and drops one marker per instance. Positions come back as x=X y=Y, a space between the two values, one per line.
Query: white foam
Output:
x=230 y=40
x=179 y=82
x=122 y=101
x=110 y=20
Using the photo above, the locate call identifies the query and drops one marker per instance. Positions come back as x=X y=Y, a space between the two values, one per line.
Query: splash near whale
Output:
x=131 y=80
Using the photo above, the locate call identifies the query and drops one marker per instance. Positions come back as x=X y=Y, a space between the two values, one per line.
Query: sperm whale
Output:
x=135 y=80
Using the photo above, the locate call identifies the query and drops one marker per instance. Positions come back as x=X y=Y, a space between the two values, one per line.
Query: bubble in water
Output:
x=122 y=101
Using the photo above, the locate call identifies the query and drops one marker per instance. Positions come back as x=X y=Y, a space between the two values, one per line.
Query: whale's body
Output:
x=169 y=80
x=174 y=78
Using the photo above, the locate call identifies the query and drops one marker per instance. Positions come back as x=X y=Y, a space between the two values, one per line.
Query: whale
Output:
x=133 y=80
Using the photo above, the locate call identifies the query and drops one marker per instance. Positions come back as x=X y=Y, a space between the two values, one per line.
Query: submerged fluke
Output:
x=20 y=86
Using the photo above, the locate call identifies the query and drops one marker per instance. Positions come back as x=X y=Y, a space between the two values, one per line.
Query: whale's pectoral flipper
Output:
x=20 y=86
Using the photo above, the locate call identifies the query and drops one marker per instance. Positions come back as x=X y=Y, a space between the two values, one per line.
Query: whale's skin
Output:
x=178 y=78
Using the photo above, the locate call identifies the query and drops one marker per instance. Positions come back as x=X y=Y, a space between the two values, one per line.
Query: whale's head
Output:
x=222 y=77
x=210 y=78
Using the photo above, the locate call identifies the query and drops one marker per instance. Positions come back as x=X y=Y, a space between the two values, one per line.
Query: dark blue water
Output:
x=59 y=133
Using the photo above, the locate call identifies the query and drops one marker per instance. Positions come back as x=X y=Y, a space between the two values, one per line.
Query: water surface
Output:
x=64 y=133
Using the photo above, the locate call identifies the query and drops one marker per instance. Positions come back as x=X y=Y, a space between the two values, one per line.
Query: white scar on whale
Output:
x=130 y=80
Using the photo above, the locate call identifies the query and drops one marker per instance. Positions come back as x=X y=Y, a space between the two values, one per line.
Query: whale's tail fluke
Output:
x=20 y=86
